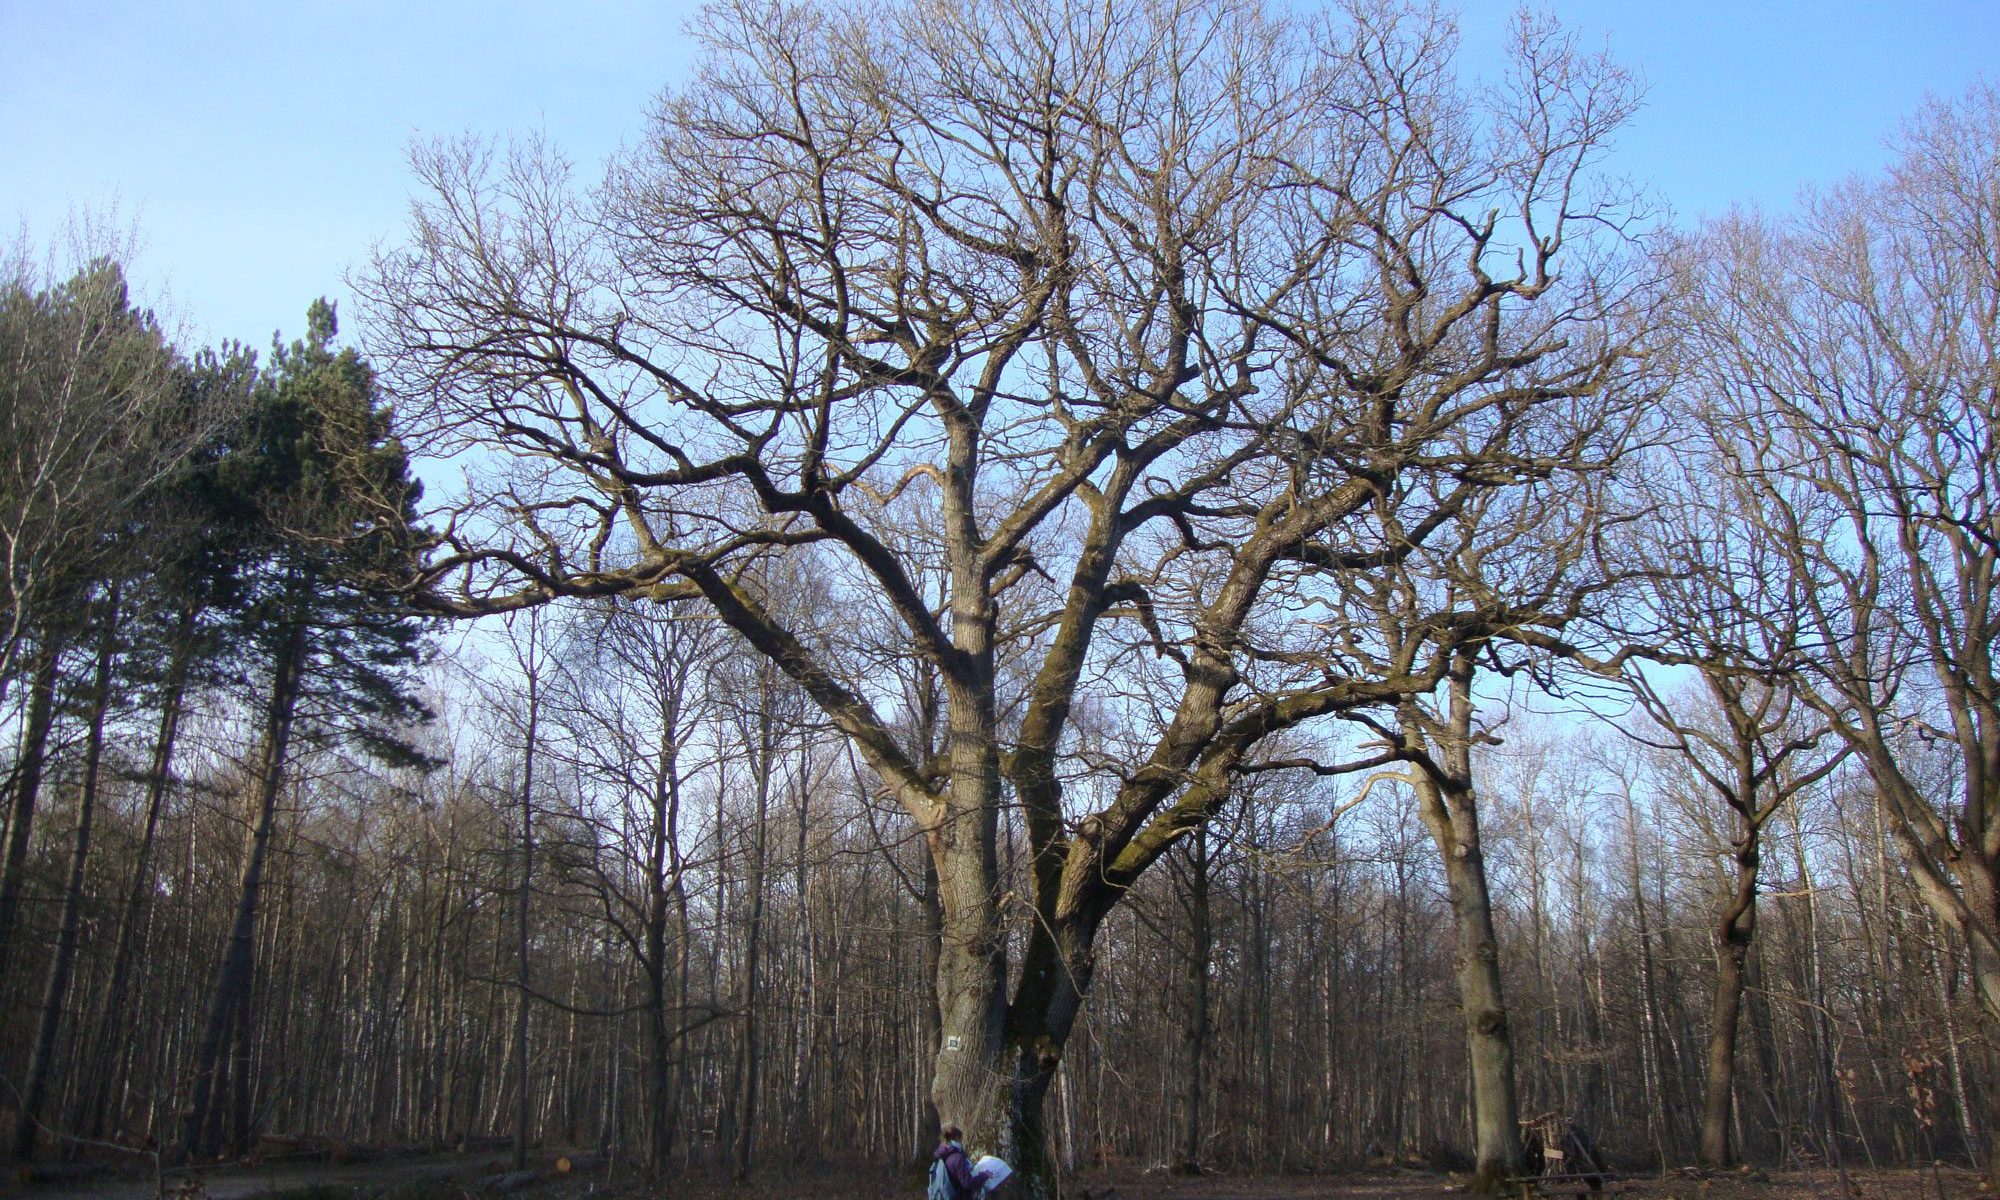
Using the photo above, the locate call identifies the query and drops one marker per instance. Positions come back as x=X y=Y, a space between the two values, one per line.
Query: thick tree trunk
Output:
x=1449 y=808
x=34 y=1095
x=1037 y=1027
x=27 y=792
x=1985 y=967
x=230 y=995
x=1734 y=933
x=971 y=1081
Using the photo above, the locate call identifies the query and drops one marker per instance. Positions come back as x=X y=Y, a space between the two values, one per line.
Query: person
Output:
x=951 y=1172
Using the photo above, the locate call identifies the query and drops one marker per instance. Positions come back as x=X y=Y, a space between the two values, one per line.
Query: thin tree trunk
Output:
x=1960 y=1107
x=663 y=882
x=1195 y=1030
x=1823 y=1043
x=242 y=1055
x=1651 y=1046
x=232 y=977
x=523 y=1107
x=747 y=1062
x=27 y=792
x=34 y=1094
x=132 y=922
x=804 y=1131
x=929 y=1015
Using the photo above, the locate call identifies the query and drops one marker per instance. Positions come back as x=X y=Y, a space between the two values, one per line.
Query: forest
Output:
x=1183 y=586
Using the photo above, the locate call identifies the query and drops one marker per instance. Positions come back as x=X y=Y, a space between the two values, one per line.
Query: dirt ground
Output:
x=1408 y=1185
x=461 y=1178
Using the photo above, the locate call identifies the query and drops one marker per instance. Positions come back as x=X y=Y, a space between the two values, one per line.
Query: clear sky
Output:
x=259 y=145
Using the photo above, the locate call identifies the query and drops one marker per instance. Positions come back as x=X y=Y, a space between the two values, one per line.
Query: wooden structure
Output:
x=1556 y=1150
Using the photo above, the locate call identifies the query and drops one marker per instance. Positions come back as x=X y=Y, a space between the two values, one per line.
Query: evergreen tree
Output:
x=320 y=492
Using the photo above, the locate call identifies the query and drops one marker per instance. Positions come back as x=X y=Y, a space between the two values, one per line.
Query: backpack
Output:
x=942 y=1185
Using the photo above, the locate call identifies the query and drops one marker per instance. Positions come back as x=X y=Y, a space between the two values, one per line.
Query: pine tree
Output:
x=320 y=492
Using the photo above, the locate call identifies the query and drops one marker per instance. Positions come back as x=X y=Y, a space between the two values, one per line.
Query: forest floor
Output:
x=469 y=1178
x=1946 y=1184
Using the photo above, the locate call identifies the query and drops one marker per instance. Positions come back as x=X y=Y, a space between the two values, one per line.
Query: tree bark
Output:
x=973 y=1083
x=1735 y=931
x=1449 y=808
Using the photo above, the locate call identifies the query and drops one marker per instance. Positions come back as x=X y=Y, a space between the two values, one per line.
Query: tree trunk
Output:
x=1449 y=807
x=132 y=920
x=970 y=1081
x=242 y=1055
x=230 y=994
x=27 y=791
x=34 y=1095
x=747 y=1049
x=929 y=1015
x=665 y=895
x=805 y=1142
x=1734 y=933
x=523 y=1108
x=1038 y=1025
x=1195 y=1031
x=1652 y=1059
x=977 y=1085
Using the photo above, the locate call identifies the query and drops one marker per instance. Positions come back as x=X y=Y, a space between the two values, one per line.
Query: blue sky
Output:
x=259 y=146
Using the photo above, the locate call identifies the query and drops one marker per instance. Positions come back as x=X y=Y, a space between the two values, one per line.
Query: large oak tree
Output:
x=1087 y=341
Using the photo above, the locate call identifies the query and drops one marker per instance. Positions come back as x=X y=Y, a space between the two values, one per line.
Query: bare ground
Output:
x=466 y=1178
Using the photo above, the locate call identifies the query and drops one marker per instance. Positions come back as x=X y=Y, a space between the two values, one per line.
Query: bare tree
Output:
x=1150 y=305
x=1498 y=588
x=637 y=700
x=1856 y=350
x=1725 y=608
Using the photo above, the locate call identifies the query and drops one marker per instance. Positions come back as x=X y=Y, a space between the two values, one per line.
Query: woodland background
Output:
x=289 y=855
